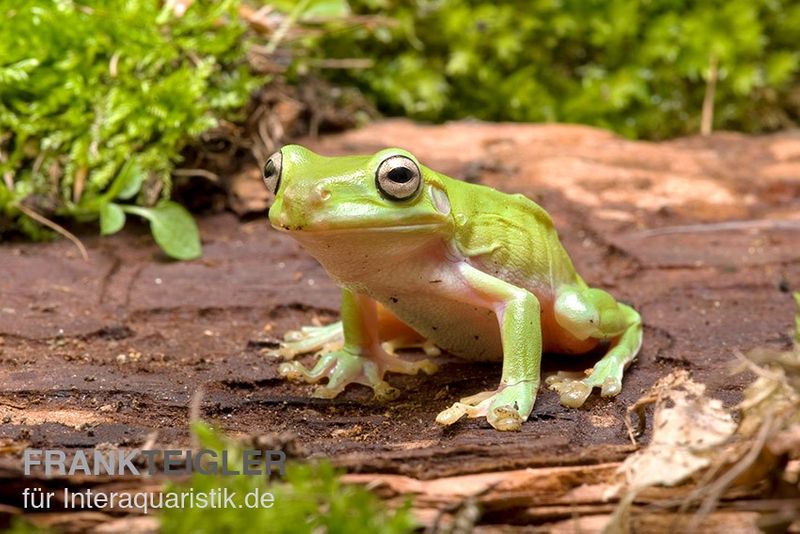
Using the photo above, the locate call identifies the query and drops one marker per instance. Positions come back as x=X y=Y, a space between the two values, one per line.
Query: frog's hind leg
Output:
x=592 y=313
x=394 y=334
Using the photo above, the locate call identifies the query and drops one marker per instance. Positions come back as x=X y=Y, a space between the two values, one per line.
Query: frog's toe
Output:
x=296 y=371
x=460 y=409
x=521 y=396
x=309 y=339
x=411 y=368
x=293 y=371
x=384 y=392
x=612 y=386
x=343 y=367
x=505 y=418
x=505 y=409
x=451 y=415
x=326 y=392
x=393 y=345
x=573 y=392
x=512 y=405
x=388 y=361
x=343 y=370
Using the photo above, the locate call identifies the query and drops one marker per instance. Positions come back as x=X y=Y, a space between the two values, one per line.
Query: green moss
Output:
x=92 y=91
x=310 y=499
x=639 y=68
x=20 y=526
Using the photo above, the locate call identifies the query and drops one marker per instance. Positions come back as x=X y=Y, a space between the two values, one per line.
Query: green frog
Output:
x=429 y=261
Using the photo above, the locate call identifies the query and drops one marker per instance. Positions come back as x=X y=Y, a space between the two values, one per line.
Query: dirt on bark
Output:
x=701 y=235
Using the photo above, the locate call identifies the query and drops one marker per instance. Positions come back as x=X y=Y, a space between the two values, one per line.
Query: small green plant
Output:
x=310 y=499
x=797 y=319
x=20 y=526
x=97 y=99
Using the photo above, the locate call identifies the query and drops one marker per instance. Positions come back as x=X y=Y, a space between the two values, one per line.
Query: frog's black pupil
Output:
x=269 y=169
x=400 y=175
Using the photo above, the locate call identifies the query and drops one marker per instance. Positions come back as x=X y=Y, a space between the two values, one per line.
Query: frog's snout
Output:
x=297 y=203
x=302 y=199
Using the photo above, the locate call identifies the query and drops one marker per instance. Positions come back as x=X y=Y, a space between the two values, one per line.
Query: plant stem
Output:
x=41 y=219
x=707 y=120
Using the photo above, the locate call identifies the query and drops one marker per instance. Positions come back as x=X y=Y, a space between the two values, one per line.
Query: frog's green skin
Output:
x=478 y=273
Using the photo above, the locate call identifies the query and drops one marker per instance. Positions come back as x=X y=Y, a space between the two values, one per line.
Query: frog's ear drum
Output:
x=272 y=172
x=398 y=178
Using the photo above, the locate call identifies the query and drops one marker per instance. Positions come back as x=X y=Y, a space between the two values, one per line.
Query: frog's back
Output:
x=511 y=237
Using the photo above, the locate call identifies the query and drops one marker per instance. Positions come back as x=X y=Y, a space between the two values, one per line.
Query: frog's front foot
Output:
x=347 y=366
x=573 y=390
x=505 y=409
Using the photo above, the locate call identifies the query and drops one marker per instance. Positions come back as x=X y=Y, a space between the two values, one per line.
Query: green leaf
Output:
x=173 y=229
x=112 y=218
x=128 y=181
x=132 y=184
x=327 y=9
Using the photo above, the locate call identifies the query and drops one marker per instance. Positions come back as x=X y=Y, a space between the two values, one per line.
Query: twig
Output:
x=80 y=182
x=197 y=172
x=287 y=23
x=195 y=413
x=719 y=487
x=56 y=227
x=37 y=164
x=757 y=369
x=112 y=65
x=150 y=440
x=258 y=19
x=8 y=178
x=343 y=63
x=707 y=120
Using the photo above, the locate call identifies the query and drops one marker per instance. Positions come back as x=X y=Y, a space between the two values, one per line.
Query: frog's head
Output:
x=388 y=191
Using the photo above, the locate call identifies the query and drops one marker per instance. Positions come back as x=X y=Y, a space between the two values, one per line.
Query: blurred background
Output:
x=110 y=108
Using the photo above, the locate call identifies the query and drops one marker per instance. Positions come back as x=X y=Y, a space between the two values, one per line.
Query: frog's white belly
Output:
x=419 y=281
x=461 y=329
x=432 y=297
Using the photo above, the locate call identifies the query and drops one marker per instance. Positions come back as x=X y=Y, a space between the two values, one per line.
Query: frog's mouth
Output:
x=352 y=222
x=390 y=228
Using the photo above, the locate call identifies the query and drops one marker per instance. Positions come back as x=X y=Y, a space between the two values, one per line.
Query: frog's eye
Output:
x=272 y=172
x=398 y=178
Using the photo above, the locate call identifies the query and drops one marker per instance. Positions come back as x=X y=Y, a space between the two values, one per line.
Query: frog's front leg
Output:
x=518 y=313
x=361 y=358
x=592 y=313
